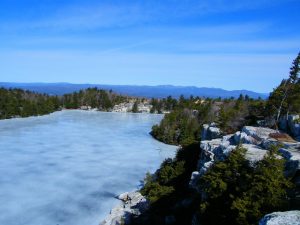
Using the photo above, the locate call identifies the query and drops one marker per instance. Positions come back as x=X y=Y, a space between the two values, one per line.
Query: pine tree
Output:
x=135 y=107
x=285 y=98
x=239 y=194
x=294 y=70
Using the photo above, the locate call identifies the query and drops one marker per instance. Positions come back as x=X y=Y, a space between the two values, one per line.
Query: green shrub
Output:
x=237 y=193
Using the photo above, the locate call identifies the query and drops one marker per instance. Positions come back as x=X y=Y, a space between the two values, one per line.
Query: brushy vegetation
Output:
x=168 y=189
x=183 y=125
x=165 y=104
x=238 y=193
x=178 y=127
x=233 y=191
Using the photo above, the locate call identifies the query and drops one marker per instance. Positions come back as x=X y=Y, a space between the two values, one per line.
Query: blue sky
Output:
x=231 y=44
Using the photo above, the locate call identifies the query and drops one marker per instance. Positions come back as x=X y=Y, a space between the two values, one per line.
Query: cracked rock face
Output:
x=259 y=134
x=281 y=218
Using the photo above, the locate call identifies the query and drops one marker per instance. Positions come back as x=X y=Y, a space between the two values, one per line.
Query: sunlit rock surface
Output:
x=256 y=140
x=210 y=131
x=132 y=204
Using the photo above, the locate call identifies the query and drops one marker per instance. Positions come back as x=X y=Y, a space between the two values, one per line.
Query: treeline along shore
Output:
x=16 y=103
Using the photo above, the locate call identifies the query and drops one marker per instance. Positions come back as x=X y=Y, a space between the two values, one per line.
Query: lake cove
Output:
x=66 y=168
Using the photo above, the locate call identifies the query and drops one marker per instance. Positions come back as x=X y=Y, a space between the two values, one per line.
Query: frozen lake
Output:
x=66 y=168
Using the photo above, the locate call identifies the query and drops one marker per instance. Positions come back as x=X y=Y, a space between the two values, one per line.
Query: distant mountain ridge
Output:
x=160 y=91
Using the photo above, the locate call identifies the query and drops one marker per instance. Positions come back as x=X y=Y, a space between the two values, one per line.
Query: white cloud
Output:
x=228 y=38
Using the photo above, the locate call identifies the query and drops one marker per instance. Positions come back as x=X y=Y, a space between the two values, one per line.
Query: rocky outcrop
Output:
x=294 y=125
x=256 y=140
x=259 y=134
x=210 y=131
x=281 y=218
x=291 y=124
x=142 y=107
x=132 y=204
x=291 y=152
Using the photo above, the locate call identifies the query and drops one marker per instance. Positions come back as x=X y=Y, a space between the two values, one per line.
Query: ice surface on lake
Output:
x=66 y=168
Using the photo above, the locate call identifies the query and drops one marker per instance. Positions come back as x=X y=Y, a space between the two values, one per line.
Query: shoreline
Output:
x=87 y=110
x=117 y=212
x=131 y=204
x=124 y=211
x=148 y=160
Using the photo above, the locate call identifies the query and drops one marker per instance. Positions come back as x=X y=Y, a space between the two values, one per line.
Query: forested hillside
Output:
x=20 y=103
x=93 y=97
x=182 y=126
x=161 y=91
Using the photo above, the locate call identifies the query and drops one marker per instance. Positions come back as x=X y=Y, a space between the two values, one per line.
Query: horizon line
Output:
x=137 y=85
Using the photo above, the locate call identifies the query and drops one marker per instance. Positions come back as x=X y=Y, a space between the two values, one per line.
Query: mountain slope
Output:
x=160 y=91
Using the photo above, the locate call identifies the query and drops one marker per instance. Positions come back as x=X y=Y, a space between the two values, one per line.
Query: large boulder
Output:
x=243 y=138
x=210 y=131
x=260 y=134
x=291 y=125
x=291 y=152
x=214 y=150
x=281 y=218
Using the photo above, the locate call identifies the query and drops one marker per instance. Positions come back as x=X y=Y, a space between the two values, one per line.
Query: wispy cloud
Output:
x=79 y=18
x=207 y=43
x=227 y=38
x=129 y=13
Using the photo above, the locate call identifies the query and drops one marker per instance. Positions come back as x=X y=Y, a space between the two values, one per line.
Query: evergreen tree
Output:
x=285 y=98
x=237 y=193
x=294 y=70
x=135 y=108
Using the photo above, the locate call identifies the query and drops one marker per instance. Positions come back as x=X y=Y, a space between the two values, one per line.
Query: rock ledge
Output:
x=132 y=204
